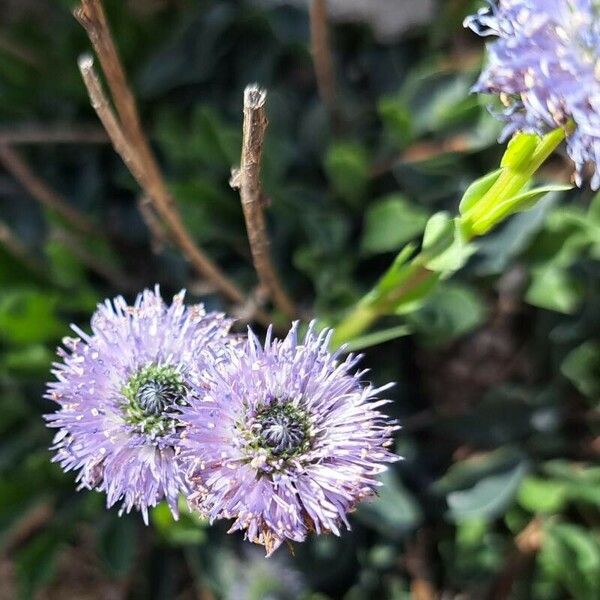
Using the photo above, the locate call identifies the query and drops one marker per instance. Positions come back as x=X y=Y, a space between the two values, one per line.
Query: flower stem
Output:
x=510 y=182
x=358 y=321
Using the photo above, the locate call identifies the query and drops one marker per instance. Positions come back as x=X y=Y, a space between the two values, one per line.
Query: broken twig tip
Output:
x=255 y=96
x=85 y=61
x=235 y=181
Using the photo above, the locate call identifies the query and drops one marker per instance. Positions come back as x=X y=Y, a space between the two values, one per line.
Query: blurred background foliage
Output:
x=499 y=492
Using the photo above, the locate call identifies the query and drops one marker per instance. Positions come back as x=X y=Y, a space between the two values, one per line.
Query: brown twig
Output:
x=152 y=184
x=103 y=108
x=130 y=142
x=527 y=545
x=248 y=181
x=159 y=235
x=54 y=134
x=422 y=151
x=416 y=563
x=15 y=247
x=92 y=18
x=33 y=520
x=39 y=190
x=19 y=52
x=322 y=59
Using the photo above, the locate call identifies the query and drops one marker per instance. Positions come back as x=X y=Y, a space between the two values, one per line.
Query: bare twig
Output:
x=39 y=190
x=152 y=183
x=243 y=312
x=422 y=151
x=159 y=235
x=101 y=105
x=527 y=545
x=248 y=181
x=90 y=15
x=19 y=52
x=31 y=522
x=322 y=59
x=416 y=563
x=15 y=247
x=130 y=142
x=55 y=134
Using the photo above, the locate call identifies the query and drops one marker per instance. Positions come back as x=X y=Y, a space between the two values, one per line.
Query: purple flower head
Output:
x=286 y=440
x=545 y=68
x=120 y=391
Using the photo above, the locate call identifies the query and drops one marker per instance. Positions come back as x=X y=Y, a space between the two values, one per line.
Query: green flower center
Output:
x=151 y=394
x=282 y=430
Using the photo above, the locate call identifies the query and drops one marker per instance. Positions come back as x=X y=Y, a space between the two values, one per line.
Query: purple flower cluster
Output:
x=286 y=441
x=120 y=391
x=161 y=402
x=545 y=69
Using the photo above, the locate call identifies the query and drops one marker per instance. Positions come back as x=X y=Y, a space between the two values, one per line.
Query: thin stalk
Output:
x=251 y=195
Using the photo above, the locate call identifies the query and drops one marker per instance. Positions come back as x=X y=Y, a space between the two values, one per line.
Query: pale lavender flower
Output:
x=286 y=440
x=120 y=390
x=545 y=68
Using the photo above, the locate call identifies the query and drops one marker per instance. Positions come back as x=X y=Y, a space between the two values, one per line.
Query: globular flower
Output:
x=120 y=391
x=545 y=68
x=286 y=440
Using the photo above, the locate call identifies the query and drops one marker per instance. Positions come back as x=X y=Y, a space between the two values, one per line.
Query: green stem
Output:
x=359 y=320
x=510 y=182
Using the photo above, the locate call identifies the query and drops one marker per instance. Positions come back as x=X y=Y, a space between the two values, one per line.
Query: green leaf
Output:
x=515 y=204
x=489 y=497
x=477 y=190
x=582 y=481
x=188 y=530
x=497 y=250
x=35 y=358
x=582 y=368
x=394 y=512
x=439 y=233
x=396 y=119
x=570 y=555
x=29 y=316
x=449 y=312
x=527 y=199
x=542 y=495
x=445 y=249
x=347 y=167
x=403 y=287
x=390 y=223
x=482 y=487
x=438 y=100
x=377 y=337
x=66 y=269
x=554 y=288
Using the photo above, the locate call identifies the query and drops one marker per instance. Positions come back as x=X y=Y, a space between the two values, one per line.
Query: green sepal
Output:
x=519 y=151
x=515 y=204
x=445 y=246
x=477 y=190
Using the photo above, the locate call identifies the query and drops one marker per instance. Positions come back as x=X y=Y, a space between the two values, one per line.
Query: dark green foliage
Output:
x=498 y=382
